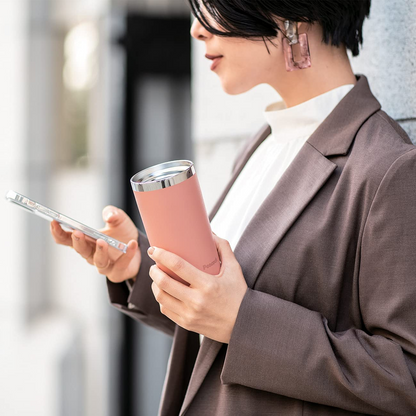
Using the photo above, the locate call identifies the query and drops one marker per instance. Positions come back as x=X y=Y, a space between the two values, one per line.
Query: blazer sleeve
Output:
x=284 y=348
x=139 y=303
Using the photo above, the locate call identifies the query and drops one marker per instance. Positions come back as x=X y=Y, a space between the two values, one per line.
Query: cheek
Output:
x=243 y=73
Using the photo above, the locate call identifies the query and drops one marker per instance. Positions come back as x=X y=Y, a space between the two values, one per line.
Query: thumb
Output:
x=114 y=216
x=224 y=249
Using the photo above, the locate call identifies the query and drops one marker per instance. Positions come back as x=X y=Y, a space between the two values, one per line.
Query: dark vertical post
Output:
x=156 y=48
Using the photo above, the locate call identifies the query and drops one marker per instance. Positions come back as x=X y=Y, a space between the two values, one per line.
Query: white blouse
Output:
x=291 y=127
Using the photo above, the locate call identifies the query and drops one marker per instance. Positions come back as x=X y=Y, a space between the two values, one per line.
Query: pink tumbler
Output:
x=173 y=212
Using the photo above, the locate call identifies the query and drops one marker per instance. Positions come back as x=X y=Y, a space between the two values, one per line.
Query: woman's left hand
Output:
x=209 y=306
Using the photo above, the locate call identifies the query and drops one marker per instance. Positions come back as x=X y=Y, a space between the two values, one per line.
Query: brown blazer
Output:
x=328 y=324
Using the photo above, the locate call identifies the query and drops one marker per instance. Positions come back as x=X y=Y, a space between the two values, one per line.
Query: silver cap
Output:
x=162 y=175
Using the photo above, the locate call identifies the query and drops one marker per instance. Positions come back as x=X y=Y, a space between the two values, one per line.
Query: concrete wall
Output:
x=388 y=58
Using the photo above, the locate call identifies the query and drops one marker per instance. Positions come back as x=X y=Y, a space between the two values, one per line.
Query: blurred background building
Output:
x=92 y=91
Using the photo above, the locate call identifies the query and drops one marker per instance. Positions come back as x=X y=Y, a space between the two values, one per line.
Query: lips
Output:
x=212 y=57
x=215 y=60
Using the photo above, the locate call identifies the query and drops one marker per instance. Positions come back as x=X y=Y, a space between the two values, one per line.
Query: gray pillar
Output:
x=388 y=59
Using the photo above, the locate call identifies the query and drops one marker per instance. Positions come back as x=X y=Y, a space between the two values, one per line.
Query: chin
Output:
x=235 y=88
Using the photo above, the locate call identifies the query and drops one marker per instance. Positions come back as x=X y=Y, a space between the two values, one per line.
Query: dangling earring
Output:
x=296 y=48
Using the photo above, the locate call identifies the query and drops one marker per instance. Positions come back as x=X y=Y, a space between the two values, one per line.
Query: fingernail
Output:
x=100 y=247
x=150 y=250
x=110 y=214
x=75 y=237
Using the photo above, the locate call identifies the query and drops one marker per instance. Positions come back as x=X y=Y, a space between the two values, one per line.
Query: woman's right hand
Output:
x=110 y=262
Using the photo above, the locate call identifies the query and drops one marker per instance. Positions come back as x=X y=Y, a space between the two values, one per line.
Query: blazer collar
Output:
x=306 y=175
x=337 y=132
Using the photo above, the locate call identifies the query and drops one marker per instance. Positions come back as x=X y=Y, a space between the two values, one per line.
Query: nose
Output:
x=199 y=32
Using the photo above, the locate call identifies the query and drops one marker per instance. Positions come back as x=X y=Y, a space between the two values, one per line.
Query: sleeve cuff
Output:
x=137 y=300
x=262 y=342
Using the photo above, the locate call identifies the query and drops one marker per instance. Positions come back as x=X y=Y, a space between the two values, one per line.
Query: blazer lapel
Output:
x=299 y=184
x=207 y=352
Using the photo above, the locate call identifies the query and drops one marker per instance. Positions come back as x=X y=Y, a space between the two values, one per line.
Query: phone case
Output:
x=49 y=214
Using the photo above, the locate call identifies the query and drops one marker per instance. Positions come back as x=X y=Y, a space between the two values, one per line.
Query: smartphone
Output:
x=68 y=223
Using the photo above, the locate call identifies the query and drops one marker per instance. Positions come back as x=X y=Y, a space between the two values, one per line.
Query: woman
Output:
x=312 y=312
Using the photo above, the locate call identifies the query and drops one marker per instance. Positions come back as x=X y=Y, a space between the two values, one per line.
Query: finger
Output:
x=89 y=239
x=81 y=246
x=178 y=265
x=169 y=285
x=121 y=265
x=173 y=316
x=101 y=258
x=167 y=301
x=114 y=216
x=224 y=249
x=60 y=236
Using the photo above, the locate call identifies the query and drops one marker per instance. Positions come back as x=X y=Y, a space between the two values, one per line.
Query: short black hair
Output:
x=341 y=20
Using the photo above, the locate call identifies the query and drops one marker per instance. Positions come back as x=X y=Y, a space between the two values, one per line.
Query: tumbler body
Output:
x=175 y=217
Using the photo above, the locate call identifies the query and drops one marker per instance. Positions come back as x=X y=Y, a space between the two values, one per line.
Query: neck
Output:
x=330 y=69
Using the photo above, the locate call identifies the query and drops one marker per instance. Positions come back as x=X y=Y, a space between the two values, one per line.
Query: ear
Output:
x=280 y=22
x=304 y=27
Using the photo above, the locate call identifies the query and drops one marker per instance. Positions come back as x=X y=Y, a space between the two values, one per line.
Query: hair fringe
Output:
x=341 y=20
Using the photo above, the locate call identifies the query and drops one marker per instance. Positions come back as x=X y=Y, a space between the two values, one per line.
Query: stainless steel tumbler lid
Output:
x=162 y=175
